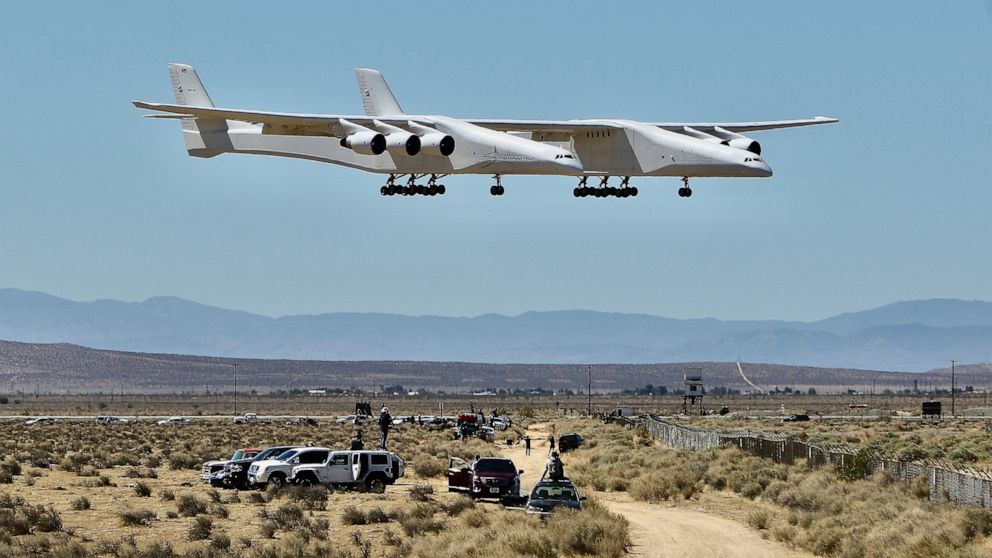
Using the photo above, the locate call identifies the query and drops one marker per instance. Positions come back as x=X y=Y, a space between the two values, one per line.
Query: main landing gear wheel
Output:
x=432 y=188
x=603 y=191
x=685 y=191
x=497 y=189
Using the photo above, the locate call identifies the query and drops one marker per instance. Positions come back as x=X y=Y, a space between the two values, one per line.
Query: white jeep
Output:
x=280 y=468
x=372 y=469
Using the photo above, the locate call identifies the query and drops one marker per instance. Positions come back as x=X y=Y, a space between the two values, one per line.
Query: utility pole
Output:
x=235 y=389
x=952 y=388
x=589 y=391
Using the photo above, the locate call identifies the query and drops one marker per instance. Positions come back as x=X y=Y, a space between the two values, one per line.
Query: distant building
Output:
x=317 y=392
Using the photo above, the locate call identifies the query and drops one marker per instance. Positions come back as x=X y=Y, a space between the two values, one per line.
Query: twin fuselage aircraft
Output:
x=416 y=147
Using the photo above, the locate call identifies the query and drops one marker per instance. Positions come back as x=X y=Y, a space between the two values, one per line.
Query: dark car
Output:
x=550 y=495
x=236 y=472
x=570 y=442
x=796 y=418
x=488 y=477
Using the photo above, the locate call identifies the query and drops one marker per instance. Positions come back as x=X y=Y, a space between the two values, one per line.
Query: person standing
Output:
x=551 y=444
x=526 y=445
x=356 y=442
x=385 y=421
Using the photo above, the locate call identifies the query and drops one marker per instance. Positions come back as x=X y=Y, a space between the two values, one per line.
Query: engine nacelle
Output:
x=366 y=143
x=402 y=143
x=746 y=144
x=437 y=143
x=738 y=141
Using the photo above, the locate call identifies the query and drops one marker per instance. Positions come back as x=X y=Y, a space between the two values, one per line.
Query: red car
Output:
x=488 y=477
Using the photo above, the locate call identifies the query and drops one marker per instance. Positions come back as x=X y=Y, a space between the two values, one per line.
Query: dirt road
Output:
x=659 y=530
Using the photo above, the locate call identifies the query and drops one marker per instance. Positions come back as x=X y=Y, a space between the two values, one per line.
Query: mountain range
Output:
x=909 y=336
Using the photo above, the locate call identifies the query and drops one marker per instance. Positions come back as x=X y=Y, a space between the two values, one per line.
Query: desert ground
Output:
x=75 y=488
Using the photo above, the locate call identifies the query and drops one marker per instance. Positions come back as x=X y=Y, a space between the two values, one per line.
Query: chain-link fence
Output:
x=947 y=482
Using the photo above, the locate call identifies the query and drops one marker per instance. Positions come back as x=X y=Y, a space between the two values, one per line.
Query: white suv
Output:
x=373 y=469
x=279 y=468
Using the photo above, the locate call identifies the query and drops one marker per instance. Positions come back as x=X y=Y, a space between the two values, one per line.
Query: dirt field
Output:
x=134 y=479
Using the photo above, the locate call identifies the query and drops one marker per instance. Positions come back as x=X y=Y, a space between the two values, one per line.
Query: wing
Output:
x=738 y=127
x=542 y=125
x=273 y=122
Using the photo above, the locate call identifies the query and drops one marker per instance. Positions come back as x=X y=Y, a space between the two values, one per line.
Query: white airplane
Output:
x=389 y=141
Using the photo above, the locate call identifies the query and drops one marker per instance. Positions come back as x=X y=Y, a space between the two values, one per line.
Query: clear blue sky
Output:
x=892 y=203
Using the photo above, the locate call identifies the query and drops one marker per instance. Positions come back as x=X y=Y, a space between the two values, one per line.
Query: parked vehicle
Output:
x=374 y=469
x=353 y=419
x=209 y=468
x=550 y=495
x=488 y=477
x=235 y=474
x=40 y=420
x=796 y=418
x=501 y=423
x=569 y=442
x=179 y=421
x=252 y=418
x=279 y=468
x=108 y=419
x=487 y=433
x=305 y=421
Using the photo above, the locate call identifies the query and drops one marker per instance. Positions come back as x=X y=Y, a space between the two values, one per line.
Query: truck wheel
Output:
x=277 y=480
x=306 y=481
x=376 y=485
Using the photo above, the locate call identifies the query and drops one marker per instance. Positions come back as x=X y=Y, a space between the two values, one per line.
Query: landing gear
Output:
x=604 y=190
x=432 y=188
x=685 y=191
x=497 y=189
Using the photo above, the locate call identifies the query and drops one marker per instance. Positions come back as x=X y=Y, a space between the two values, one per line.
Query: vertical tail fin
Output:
x=377 y=99
x=205 y=137
x=187 y=86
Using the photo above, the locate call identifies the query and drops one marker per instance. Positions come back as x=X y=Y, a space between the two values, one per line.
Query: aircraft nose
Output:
x=763 y=169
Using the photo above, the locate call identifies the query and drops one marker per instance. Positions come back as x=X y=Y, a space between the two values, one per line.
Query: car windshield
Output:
x=271 y=452
x=287 y=455
x=495 y=466
x=238 y=455
x=547 y=491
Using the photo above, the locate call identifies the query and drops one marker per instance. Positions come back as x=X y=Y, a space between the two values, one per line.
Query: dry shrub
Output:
x=81 y=503
x=142 y=490
x=200 y=529
x=132 y=518
x=309 y=497
x=421 y=492
x=190 y=506
x=759 y=519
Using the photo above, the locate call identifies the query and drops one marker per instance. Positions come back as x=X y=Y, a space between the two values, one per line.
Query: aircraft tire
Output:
x=440 y=189
x=383 y=191
x=633 y=191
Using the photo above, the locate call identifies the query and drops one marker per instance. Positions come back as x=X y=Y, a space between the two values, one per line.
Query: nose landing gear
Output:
x=604 y=190
x=685 y=191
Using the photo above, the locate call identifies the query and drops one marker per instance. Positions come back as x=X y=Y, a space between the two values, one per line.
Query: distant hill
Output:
x=28 y=367
x=905 y=336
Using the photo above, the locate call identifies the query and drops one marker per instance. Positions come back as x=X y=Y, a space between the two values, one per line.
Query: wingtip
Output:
x=825 y=119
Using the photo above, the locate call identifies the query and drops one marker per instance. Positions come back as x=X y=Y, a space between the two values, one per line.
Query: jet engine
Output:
x=738 y=141
x=437 y=143
x=403 y=143
x=366 y=143
x=433 y=142
x=692 y=132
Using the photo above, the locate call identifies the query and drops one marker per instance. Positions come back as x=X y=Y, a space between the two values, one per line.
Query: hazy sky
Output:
x=892 y=203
